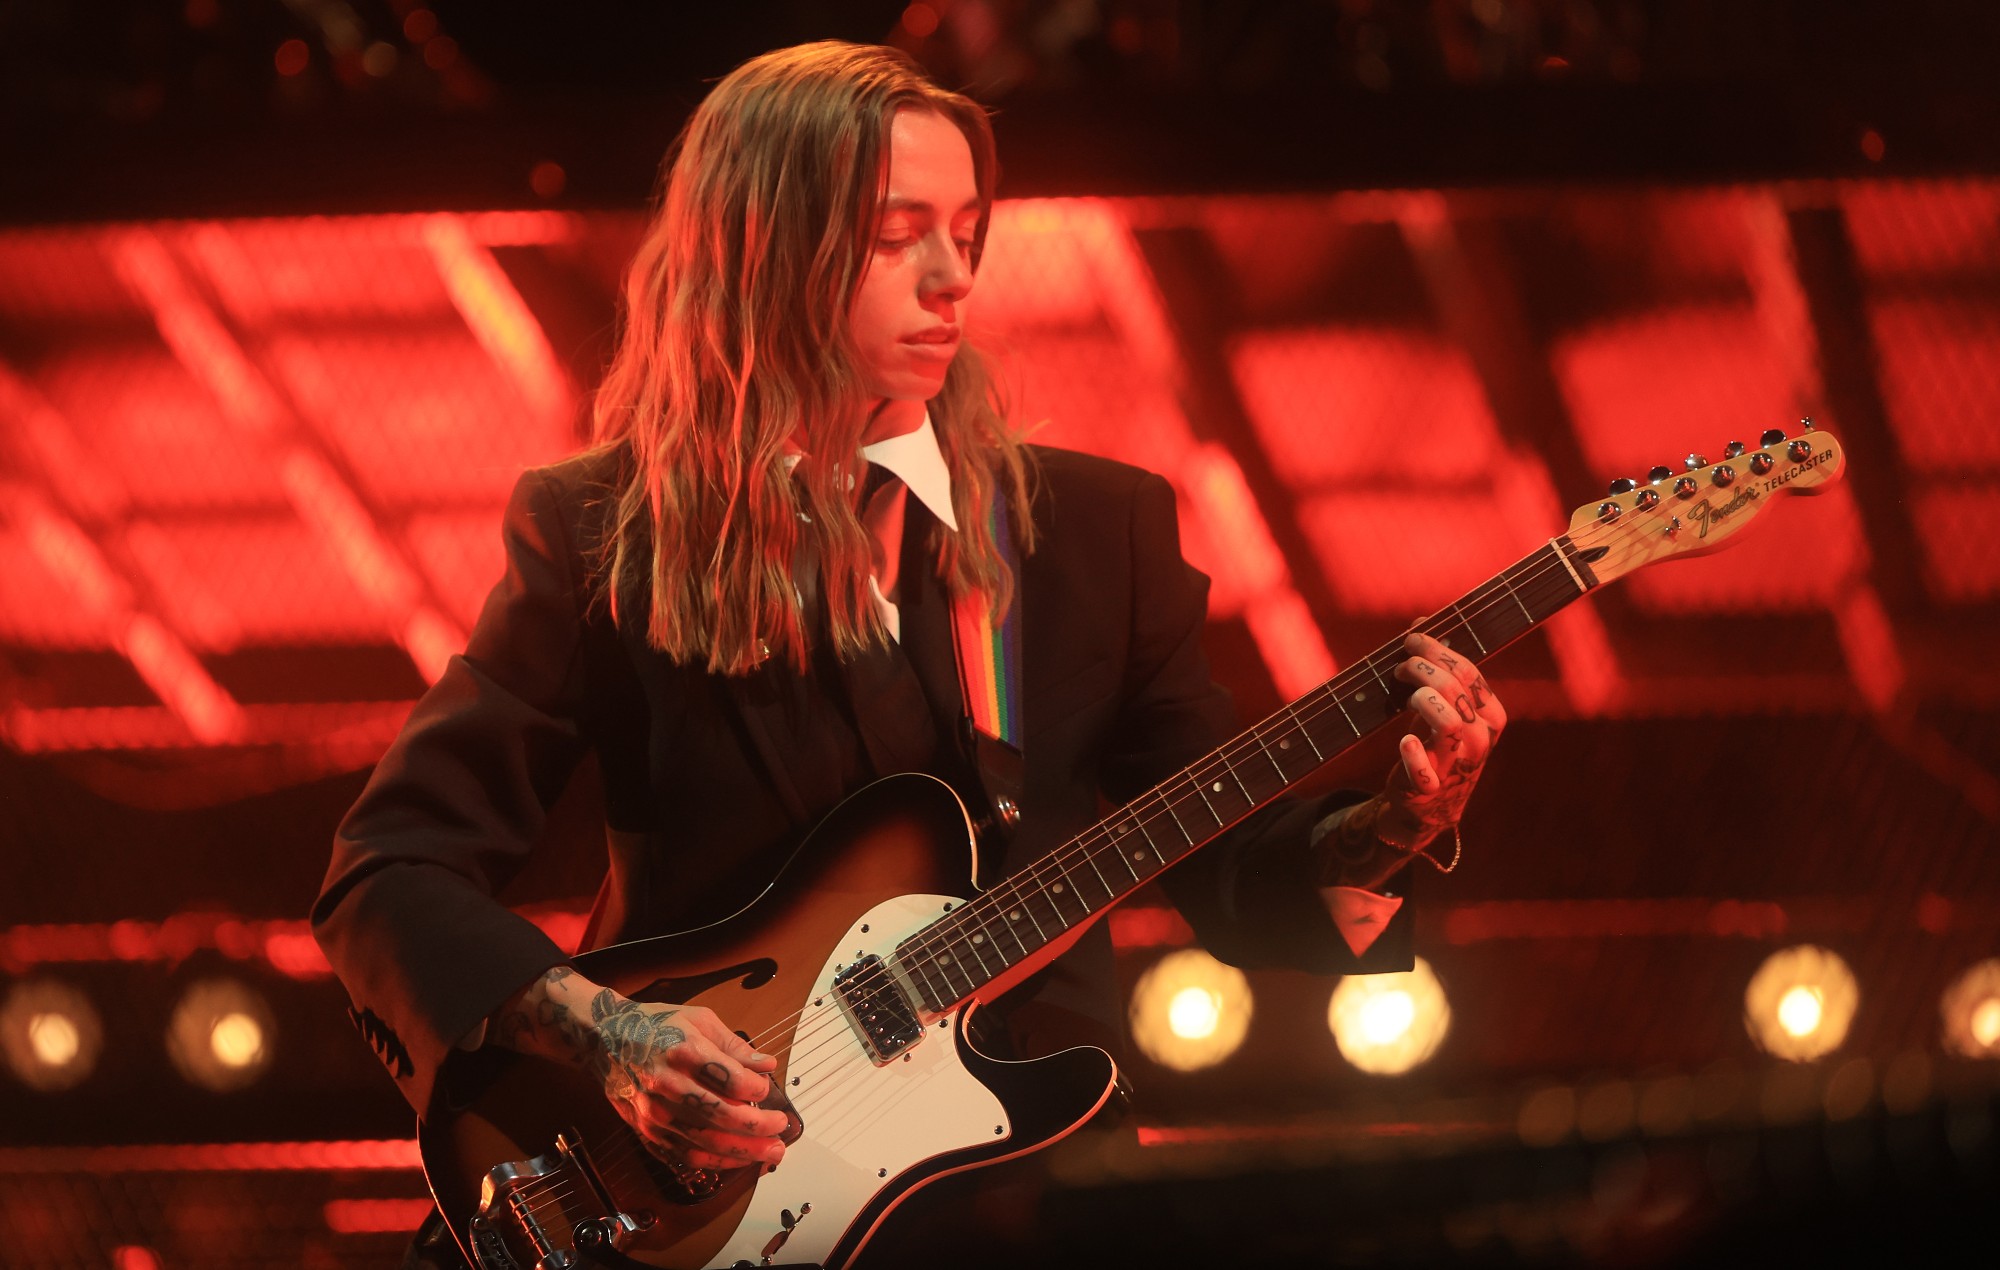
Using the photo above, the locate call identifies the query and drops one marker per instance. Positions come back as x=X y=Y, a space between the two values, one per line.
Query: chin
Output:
x=907 y=387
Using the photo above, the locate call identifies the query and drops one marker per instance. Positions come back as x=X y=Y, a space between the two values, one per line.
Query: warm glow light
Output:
x=1971 y=1010
x=1800 y=1011
x=1387 y=1016
x=1986 y=1022
x=236 y=1040
x=1194 y=1013
x=1189 y=1011
x=1800 y=1003
x=54 y=1039
x=50 y=1034
x=220 y=1034
x=1389 y=1023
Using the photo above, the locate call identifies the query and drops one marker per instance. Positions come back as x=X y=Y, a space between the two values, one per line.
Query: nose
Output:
x=948 y=280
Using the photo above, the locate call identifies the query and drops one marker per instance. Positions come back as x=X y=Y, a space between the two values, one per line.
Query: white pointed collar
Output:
x=916 y=459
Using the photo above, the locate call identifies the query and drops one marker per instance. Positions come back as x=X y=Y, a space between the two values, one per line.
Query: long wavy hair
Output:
x=735 y=354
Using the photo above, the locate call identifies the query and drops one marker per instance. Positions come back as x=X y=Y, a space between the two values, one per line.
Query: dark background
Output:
x=1751 y=766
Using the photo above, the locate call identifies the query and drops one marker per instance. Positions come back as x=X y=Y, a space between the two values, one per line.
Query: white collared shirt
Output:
x=915 y=459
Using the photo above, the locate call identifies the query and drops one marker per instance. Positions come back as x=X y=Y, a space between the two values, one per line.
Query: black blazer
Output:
x=710 y=780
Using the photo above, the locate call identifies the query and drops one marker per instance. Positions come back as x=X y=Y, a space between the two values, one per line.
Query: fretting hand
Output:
x=1434 y=775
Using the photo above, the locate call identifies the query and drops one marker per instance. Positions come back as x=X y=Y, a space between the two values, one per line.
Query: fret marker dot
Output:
x=1284 y=745
x=979 y=939
x=1361 y=696
x=945 y=960
x=1216 y=788
x=1138 y=855
x=1014 y=916
x=1126 y=827
x=1057 y=888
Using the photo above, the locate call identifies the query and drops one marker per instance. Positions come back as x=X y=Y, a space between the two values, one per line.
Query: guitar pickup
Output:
x=876 y=1008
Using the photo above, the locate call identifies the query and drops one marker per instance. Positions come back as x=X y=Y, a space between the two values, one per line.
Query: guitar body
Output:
x=886 y=863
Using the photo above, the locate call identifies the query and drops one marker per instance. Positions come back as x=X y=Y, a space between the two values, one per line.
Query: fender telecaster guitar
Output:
x=862 y=963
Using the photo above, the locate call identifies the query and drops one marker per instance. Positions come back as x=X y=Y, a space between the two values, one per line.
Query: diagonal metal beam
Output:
x=322 y=491
x=75 y=525
x=1199 y=300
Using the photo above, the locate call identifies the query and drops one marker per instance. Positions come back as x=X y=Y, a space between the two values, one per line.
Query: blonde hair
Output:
x=735 y=351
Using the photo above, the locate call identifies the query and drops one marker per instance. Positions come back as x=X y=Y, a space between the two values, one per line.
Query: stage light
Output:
x=1971 y=1010
x=1189 y=1011
x=1389 y=1023
x=220 y=1035
x=1800 y=1002
x=51 y=1034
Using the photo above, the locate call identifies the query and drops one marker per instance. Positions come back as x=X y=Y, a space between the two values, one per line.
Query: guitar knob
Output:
x=1609 y=512
x=1694 y=462
x=1724 y=475
x=1684 y=487
x=1624 y=485
x=1660 y=473
x=1761 y=463
x=1799 y=451
x=1733 y=449
x=1771 y=436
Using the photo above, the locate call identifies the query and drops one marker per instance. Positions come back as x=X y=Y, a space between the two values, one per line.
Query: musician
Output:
x=741 y=597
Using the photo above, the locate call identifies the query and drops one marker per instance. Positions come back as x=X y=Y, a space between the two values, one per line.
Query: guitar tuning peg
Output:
x=1771 y=436
x=1658 y=474
x=1624 y=485
x=1733 y=449
x=1806 y=424
x=1694 y=462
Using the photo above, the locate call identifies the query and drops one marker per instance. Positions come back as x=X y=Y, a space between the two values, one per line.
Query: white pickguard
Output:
x=864 y=1124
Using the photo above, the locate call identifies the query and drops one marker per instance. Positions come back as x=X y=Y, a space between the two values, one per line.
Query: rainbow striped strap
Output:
x=989 y=656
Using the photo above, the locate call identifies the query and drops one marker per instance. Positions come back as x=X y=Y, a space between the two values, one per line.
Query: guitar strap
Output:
x=989 y=677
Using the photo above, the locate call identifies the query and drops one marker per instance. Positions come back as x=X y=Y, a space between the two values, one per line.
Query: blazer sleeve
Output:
x=407 y=913
x=1252 y=895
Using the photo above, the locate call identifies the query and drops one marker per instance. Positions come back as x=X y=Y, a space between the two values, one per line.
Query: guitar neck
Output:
x=983 y=939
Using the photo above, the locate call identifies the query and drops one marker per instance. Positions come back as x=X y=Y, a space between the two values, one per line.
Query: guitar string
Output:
x=1539 y=571
x=1166 y=795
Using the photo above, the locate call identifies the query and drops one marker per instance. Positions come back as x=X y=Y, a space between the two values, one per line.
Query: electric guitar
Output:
x=864 y=961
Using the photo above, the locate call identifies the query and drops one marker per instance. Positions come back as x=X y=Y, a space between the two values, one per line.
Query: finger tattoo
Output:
x=715 y=1074
x=1465 y=710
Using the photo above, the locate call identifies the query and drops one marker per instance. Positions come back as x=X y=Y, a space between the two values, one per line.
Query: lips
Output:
x=944 y=335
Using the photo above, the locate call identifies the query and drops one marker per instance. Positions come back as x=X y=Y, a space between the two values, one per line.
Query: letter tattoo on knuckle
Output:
x=1465 y=711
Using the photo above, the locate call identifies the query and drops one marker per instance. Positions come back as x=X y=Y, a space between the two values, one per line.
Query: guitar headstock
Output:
x=1700 y=507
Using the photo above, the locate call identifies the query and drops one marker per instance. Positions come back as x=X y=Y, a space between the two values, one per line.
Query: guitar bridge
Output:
x=550 y=1212
x=876 y=1008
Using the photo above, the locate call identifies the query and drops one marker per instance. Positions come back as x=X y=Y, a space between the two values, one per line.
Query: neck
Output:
x=892 y=417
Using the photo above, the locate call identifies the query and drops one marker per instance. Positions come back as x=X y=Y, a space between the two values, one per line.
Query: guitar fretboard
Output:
x=982 y=939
